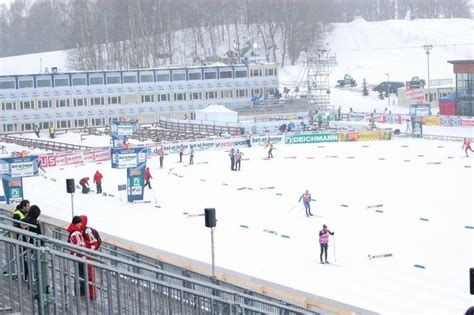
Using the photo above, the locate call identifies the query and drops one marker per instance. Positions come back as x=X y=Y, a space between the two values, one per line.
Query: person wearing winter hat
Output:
x=32 y=219
x=75 y=237
x=90 y=242
x=323 y=242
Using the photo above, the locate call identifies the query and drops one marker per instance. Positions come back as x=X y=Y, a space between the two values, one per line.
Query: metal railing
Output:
x=40 y=275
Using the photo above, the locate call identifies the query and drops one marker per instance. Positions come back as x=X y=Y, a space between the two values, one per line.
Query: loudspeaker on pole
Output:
x=70 y=186
x=210 y=217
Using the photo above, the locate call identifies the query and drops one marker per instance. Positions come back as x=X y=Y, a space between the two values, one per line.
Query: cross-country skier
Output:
x=306 y=197
x=270 y=148
x=191 y=155
x=232 y=159
x=238 y=158
x=323 y=243
x=181 y=152
x=467 y=146
x=161 y=153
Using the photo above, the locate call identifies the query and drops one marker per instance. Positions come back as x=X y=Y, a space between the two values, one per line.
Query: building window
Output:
x=43 y=82
x=179 y=76
x=25 y=84
x=96 y=80
x=98 y=121
x=45 y=104
x=241 y=93
x=195 y=95
x=256 y=92
x=163 y=97
x=61 y=82
x=27 y=127
x=9 y=105
x=80 y=102
x=210 y=75
x=162 y=77
x=62 y=103
x=129 y=78
x=194 y=76
x=211 y=95
x=179 y=96
x=26 y=105
x=97 y=101
x=78 y=81
x=80 y=123
x=63 y=124
x=256 y=73
x=226 y=93
x=146 y=78
x=4 y=85
x=227 y=74
x=113 y=79
x=241 y=74
x=9 y=128
x=270 y=72
x=148 y=98
x=113 y=100
x=45 y=125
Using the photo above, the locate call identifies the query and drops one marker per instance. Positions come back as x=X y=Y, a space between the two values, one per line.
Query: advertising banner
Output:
x=467 y=122
x=13 y=189
x=417 y=126
x=431 y=121
x=135 y=182
x=19 y=166
x=128 y=157
x=311 y=138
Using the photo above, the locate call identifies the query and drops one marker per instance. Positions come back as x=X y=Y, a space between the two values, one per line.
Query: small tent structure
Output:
x=217 y=113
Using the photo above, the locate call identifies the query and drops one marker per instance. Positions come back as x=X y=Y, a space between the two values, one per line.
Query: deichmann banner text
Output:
x=312 y=138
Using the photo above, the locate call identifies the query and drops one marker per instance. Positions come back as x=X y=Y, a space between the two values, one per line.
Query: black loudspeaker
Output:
x=70 y=187
x=210 y=216
x=471 y=274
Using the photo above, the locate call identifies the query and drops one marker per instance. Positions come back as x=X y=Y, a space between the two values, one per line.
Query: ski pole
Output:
x=334 y=246
x=293 y=207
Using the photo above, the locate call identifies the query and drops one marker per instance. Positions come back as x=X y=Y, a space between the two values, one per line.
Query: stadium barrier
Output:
x=150 y=280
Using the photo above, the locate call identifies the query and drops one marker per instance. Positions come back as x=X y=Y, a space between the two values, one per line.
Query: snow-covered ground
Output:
x=441 y=193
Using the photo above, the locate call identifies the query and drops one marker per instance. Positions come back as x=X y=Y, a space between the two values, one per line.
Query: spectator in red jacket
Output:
x=75 y=237
x=148 y=177
x=90 y=242
x=84 y=182
x=98 y=181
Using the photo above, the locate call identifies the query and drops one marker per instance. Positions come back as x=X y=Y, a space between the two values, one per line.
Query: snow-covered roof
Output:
x=216 y=109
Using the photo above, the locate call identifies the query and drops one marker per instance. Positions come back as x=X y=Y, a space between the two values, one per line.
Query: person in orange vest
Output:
x=98 y=182
x=148 y=177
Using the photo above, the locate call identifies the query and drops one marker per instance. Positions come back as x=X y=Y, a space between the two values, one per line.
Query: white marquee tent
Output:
x=217 y=113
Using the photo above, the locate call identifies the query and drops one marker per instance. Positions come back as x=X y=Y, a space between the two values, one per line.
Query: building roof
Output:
x=467 y=61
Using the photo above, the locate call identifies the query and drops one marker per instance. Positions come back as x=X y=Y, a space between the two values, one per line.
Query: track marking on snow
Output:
x=406 y=160
x=345 y=206
x=433 y=163
x=421 y=155
x=424 y=219
x=350 y=157
x=379 y=211
x=381 y=159
x=469 y=227
x=419 y=266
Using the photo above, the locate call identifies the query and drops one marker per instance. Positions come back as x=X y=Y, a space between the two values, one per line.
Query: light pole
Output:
x=388 y=88
x=41 y=64
x=428 y=48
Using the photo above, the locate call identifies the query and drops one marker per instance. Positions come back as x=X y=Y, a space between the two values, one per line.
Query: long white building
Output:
x=94 y=98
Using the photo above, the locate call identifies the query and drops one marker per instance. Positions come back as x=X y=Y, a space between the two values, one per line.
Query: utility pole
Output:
x=427 y=48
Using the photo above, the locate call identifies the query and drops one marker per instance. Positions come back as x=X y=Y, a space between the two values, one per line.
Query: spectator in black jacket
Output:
x=32 y=219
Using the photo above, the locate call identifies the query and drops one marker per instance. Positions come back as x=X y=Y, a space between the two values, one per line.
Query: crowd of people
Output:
x=26 y=216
